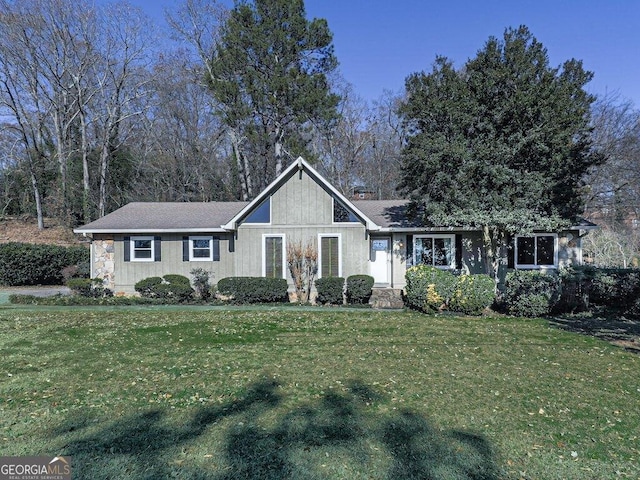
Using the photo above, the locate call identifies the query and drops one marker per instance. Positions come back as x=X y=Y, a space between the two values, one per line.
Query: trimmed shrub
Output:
x=359 y=288
x=174 y=279
x=254 y=289
x=473 y=294
x=89 y=287
x=146 y=286
x=330 y=290
x=531 y=293
x=429 y=289
x=27 y=264
x=171 y=287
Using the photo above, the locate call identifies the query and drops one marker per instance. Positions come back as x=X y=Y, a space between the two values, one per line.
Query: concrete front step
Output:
x=386 y=298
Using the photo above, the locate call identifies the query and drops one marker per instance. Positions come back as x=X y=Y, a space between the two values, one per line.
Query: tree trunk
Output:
x=278 y=151
x=104 y=168
x=86 y=186
x=495 y=251
x=36 y=195
x=242 y=164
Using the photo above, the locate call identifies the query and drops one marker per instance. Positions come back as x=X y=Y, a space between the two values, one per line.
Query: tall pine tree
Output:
x=269 y=74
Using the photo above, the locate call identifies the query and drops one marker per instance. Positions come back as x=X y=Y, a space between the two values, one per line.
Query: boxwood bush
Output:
x=89 y=287
x=146 y=287
x=330 y=290
x=28 y=264
x=473 y=294
x=171 y=287
x=530 y=293
x=429 y=289
x=359 y=288
x=254 y=289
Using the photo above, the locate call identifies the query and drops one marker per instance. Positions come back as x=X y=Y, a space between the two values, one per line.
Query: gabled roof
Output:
x=143 y=217
x=299 y=165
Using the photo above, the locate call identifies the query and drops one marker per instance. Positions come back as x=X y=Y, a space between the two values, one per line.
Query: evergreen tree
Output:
x=269 y=74
x=500 y=145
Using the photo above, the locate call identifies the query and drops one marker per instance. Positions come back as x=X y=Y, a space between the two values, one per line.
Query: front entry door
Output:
x=381 y=260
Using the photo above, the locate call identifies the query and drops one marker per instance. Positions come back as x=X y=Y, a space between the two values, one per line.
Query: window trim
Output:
x=193 y=258
x=132 y=249
x=334 y=235
x=450 y=236
x=535 y=265
x=264 y=253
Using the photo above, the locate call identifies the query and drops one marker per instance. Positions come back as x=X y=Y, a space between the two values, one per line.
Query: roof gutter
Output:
x=151 y=230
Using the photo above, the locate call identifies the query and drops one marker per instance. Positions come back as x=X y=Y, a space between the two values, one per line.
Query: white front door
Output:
x=381 y=259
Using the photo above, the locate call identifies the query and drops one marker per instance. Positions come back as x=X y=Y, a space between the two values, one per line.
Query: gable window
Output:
x=142 y=249
x=273 y=256
x=329 y=259
x=200 y=249
x=434 y=250
x=262 y=214
x=537 y=250
x=341 y=214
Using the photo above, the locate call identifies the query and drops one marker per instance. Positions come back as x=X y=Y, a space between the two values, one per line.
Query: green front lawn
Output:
x=322 y=393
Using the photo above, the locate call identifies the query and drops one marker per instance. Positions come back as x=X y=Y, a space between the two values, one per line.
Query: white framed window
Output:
x=273 y=256
x=142 y=249
x=200 y=249
x=436 y=250
x=539 y=250
x=329 y=255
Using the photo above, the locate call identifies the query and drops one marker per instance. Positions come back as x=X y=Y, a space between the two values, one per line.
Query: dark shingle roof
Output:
x=387 y=213
x=165 y=216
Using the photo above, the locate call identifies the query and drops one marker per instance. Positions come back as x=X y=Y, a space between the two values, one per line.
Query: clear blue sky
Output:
x=380 y=42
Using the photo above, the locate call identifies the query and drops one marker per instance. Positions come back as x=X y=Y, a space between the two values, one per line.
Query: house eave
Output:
x=425 y=229
x=457 y=229
x=93 y=231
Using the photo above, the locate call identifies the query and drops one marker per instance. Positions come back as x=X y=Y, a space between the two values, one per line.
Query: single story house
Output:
x=374 y=237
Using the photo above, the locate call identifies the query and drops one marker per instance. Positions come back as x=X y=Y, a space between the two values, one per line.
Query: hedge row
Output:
x=28 y=264
x=79 y=300
x=574 y=289
x=431 y=289
x=254 y=289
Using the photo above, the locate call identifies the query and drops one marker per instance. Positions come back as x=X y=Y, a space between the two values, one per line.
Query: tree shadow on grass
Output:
x=299 y=444
x=615 y=329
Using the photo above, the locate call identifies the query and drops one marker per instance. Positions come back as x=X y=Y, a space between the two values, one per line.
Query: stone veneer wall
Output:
x=103 y=261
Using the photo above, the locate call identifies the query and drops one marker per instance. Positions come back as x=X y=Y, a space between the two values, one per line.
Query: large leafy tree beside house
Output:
x=501 y=144
x=269 y=75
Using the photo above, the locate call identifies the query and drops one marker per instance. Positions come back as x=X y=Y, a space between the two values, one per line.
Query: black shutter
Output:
x=185 y=249
x=216 y=249
x=157 y=249
x=126 y=245
x=409 y=247
x=458 y=251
